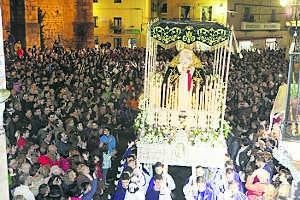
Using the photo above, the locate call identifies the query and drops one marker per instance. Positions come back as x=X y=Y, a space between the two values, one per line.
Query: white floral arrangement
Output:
x=212 y=136
x=149 y=134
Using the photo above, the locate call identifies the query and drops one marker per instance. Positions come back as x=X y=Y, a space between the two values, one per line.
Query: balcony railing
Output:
x=117 y=29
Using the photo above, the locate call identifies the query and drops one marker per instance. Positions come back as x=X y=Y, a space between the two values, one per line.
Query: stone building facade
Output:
x=259 y=23
x=37 y=22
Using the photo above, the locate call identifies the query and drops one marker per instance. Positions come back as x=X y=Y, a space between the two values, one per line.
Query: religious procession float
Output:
x=181 y=121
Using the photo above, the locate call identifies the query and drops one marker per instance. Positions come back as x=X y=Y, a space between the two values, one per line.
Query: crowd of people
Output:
x=70 y=110
x=66 y=110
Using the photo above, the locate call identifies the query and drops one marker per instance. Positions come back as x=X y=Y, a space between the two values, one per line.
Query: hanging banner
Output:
x=167 y=32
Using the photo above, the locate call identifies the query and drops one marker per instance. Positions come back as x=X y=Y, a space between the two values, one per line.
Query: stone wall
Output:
x=53 y=21
x=5 y=8
x=63 y=20
x=71 y=21
x=32 y=30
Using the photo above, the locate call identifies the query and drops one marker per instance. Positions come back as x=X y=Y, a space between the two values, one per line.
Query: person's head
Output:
x=97 y=158
x=80 y=126
x=268 y=156
x=83 y=169
x=43 y=150
x=25 y=168
x=128 y=170
x=233 y=187
x=284 y=175
x=244 y=142
x=62 y=137
x=199 y=171
x=18 y=134
x=260 y=161
x=44 y=190
x=94 y=126
x=22 y=179
x=85 y=154
x=52 y=149
x=131 y=157
x=13 y=164
x=69 y=123
x=261 y=144
x=58 y=111
x=15 y=117
x=159 y=168
x=51 y=117
x=229 y=175
x=106 y=131
x=229 y=164
x=132 y=164
x=44 y=171
x=28 y=113
x=55 y=170
x=69 y=177
x=125 y=179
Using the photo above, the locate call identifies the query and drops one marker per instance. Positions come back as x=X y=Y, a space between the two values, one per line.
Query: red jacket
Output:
x=46 y=160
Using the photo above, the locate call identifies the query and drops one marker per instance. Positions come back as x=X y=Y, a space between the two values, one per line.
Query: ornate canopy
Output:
x=168 y=32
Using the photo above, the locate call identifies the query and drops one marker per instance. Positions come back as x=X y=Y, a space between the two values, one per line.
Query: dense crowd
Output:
x=64 y=107
x=70 y=110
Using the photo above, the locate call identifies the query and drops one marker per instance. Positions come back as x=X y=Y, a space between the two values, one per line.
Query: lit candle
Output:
x=197 y=95
x=167 y=94
x=163 y=95
x=176 y=96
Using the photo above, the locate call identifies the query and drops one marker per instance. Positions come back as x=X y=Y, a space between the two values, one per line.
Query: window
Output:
x=117 y=25
x=117 y=42
x=273 y=15
x=164 y=8
x=246 y=44
x=95 y=21
x=185 y=12
x=97 y=42
x=248 y=17
x=117 y=1
x=271 y=43
x=132 y=43
x=206 y=13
